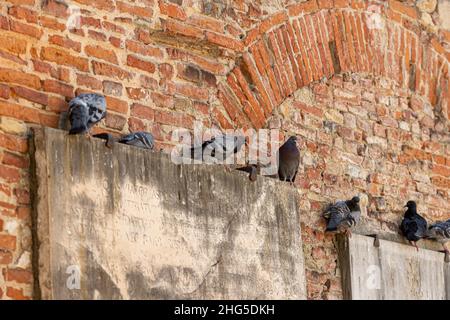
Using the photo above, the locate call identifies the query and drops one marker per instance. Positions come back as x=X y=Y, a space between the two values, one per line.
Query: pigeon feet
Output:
x=414 y=244
x=348 y=233
x=376 y=241
x=447 y=254
x=253 y=174
x=109 y=141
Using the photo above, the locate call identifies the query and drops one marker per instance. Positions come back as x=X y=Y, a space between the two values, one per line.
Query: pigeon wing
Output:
x=338 y=213
x=139 y=139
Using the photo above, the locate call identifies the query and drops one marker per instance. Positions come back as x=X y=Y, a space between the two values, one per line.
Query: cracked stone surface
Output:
x=130 y=224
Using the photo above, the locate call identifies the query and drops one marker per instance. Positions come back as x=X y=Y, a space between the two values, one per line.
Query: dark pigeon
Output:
x=343 y=215
x=413 y=226
x=106 y=136
x=85 y=111
x=288 y=160
x=252 y=170
x=218 y=148
x=139 y=139
x=440 y=232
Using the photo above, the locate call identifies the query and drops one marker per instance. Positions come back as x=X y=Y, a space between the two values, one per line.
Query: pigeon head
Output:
x=353 y=203
x=411 y=205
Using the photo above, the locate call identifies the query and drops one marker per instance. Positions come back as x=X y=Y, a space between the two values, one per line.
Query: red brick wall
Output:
x=368 y=95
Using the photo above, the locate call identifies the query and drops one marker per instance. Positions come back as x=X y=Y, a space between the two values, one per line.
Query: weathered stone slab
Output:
x=394 y=271
x=133 y=225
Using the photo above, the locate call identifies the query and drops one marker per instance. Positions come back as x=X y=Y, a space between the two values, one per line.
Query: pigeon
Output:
x=85 y=111
x=440 y=231
x=218 y=148
x=288 y=160
x=343 y=215
x=106 y=136
x=139 y=139
x=413 y=226
x=252 y=170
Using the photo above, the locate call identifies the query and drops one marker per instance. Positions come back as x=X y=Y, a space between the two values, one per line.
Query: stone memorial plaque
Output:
x=394 y=271
x=127 y=223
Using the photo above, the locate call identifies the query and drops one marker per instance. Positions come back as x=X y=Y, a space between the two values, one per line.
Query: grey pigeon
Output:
x=440 y=231
x=288 y=160
x=219 y=148
x=139 y=139
x=413 y=226
x=343 y=215
x=85 y=111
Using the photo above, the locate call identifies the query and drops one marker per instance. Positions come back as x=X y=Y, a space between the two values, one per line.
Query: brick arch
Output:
x=308 y=41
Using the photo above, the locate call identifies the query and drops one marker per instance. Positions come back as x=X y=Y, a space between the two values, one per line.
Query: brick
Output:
x=13 y=44
x=116 y=105
x=190 y=91
x=142 y=112
x=12 y=126
x=144 y=50
x=30 y=95
x=18 y=77
x=138 y=63
x=207 y=23
x=441 y=170
x=148 y=82
x=101 y=53
x=96 y=35
x=116 y=42
x=4 y=92
x=405 y=9
x=65 y=42
x=205 y=64
x=112 y=27
x=174 y=119
x=174 y=26
x=273 y=21
x=172 y=11
x=90 y=21
x=51 y=23
x=18 y=275
x=302 y=8
x=5 y=258
x=89 y=82
x=107 y=5
x=62 y=57
x=7 y=242
x=16 y=294
x=162 y=100
x=166 y=71
x=115 y=121
x=25 y=29
x=22 y=2
x=14 y=160
x=58 y=88
x=12 y=142
x=56 y=8
x=225 y=41
x=309 y=109
x=138 y=93
x=135 y=124
x=22 y=196
x=143 y=12
x=223 y=121
x=112 y=88
x=111 y=71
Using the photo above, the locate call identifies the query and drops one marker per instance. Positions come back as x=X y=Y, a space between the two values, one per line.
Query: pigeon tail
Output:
x=78 y=129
